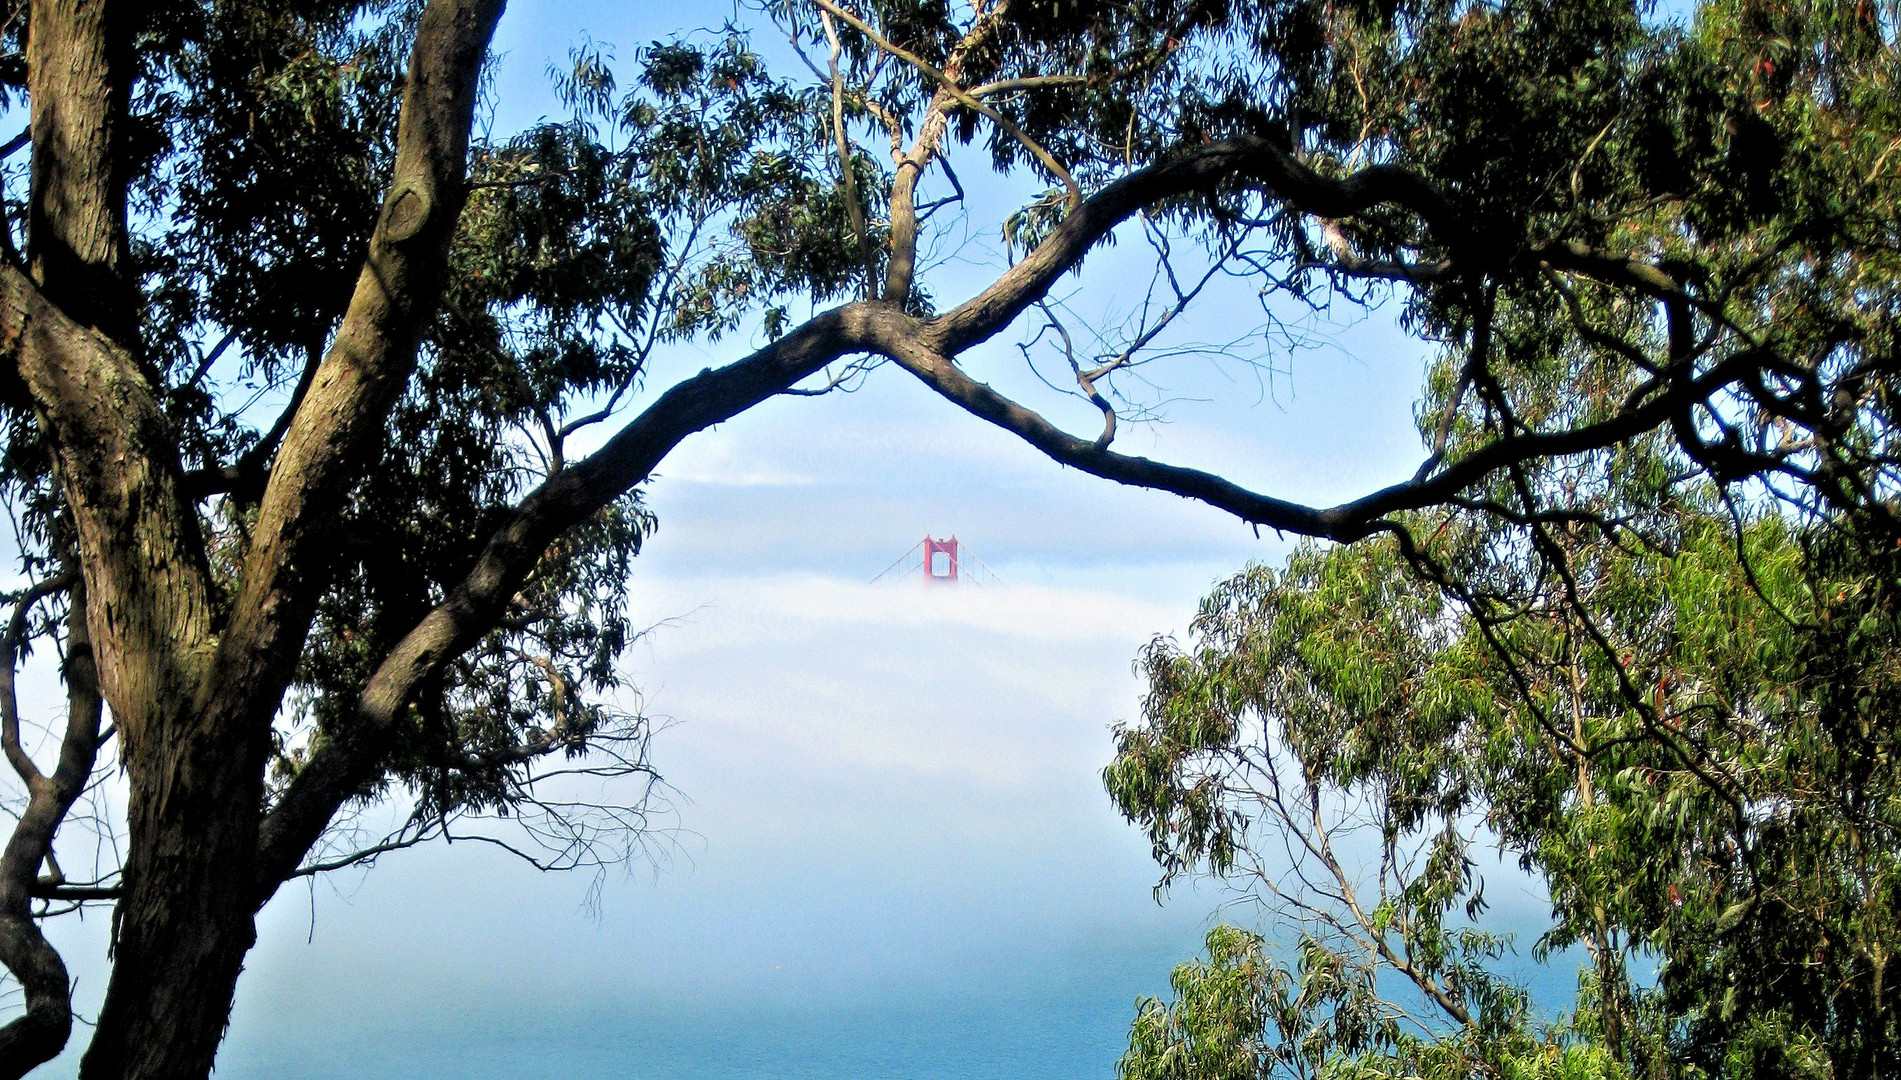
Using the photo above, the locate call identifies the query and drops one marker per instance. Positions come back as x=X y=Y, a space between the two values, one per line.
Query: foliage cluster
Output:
x=1694 y=756
x=1659 y=676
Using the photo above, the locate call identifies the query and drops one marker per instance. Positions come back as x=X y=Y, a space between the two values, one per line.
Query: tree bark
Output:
x=185 y=922
x=78 y=57
x=193 y=793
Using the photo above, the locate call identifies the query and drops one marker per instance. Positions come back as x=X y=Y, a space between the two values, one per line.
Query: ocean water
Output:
x=1073 y=1029
x=968 y=1039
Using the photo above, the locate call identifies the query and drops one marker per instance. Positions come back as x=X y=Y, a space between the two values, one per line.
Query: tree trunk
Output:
x=196 y=705
x=194 y=677
x=185 y=922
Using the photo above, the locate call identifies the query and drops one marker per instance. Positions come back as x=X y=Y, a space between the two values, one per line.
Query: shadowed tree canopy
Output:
x=296 y=362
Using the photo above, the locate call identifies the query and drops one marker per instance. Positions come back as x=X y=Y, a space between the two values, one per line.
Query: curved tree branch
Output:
x=1345 y=522
x=10 y=644
x=351 y=759
x=247 y=478
x=40 y=1034
x=847 y=175
x=1249 y=159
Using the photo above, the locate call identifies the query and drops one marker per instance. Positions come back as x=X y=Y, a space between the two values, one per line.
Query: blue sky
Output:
x=883 y=792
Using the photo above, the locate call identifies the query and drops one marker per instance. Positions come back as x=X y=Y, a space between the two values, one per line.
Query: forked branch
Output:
x=340 y=418
x=959 y=94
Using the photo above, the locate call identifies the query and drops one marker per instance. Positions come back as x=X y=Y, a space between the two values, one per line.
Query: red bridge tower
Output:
x=940 y=560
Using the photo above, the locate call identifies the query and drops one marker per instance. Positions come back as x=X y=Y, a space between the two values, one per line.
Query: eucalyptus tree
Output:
x=407 y=589
x=1684 y=734
x=1658 y=675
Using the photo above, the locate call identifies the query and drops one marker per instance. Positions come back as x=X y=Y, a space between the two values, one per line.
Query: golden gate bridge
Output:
x=940 y=562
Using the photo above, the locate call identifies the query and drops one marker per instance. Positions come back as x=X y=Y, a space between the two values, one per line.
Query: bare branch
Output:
x=1249 y=159
x=210 y=357
x=1032 y=82
x=10 y=645
x=362 y=855
x=902 y=265
x=1345 y=522
x=247 y=478
x=847 y=175
x=962 y=96
x=77 y=894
